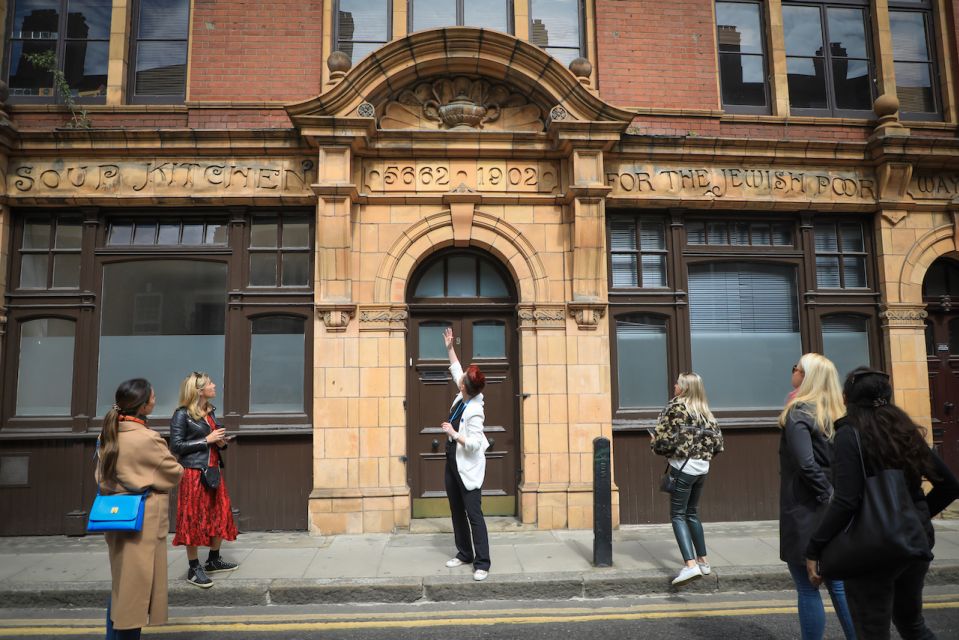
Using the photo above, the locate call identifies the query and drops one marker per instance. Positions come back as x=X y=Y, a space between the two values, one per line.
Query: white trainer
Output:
x=687 y=574
x=704 y=568
x=479 y=575
x=452 y=563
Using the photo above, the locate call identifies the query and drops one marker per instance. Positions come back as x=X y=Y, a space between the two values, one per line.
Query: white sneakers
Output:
x=687 y=574
x=704 y=567
x=479 y=575
x=452 y=563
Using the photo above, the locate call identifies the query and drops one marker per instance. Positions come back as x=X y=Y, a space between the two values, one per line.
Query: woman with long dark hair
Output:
x=466 y=447
x=805 y=458
x=133 y=458
x=204 y=515
x=889 y=440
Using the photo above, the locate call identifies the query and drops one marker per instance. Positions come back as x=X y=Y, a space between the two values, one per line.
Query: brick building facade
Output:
x=595 y=195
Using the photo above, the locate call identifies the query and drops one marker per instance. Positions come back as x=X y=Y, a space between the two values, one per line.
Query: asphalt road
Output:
x=739 y=617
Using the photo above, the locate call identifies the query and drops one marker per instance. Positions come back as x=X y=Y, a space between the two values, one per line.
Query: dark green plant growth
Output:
x=47 y=61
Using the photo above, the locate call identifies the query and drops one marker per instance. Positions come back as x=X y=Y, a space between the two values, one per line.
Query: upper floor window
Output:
x=840 y=256
x=828 y=59
x=280 y=251
x=913 y=55
x=742 y=57
x=637 y=250
x=158 y=55
x=361 y=26
x=557 y=27
x=489 y=14
x=71 y=37
x=50 y=254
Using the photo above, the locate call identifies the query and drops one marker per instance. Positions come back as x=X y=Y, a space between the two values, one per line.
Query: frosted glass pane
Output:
x=172 y=315
x=489 y=340
x=296 y=269
x=66 y=270
x=45 y=374
x=846 y=344
x=431 y=284
x=262 y=269
x=277 y=358
x=36 y=236
x=745 y=370
x=432 y=346
x=491 y=282
x=461 y=277
x=169 y=234
x=68 y=236
x=33 y=271
x=641 y=364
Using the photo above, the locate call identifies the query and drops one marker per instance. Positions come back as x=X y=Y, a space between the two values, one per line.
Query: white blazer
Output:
x=470 y=457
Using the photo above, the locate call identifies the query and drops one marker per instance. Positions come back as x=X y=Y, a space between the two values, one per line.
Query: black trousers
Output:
x=878 y=598
x=467 y=513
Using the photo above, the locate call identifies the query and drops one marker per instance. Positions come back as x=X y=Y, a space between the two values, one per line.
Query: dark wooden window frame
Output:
x=639 y=252
x=83 y=306
x=926 y=8
x=840 y=253
x=51 y=252
x=279 y=250
x=460 y=17
x=832 y=111
x=59 y=51
x=131 y=95
x=444 y=255
x=741 y=108
x=336 y=27
x=673 y=304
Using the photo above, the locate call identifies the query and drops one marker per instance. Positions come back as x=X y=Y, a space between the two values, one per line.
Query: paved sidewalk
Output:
x=295 y=568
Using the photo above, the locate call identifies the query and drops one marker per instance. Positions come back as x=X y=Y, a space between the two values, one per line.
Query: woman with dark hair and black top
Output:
x=133 y=458
x=890 y=440
x=466 y=465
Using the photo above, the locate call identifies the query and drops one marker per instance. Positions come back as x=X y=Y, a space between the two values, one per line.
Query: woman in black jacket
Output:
x=890 y=440
x=204 y=517
x=804 y=461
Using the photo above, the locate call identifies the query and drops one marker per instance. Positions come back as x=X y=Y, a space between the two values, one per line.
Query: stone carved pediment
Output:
x=461 y=102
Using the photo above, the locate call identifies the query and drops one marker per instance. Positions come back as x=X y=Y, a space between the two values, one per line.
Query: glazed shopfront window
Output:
x=158 y=294
x=739 y=303
x=69 y=36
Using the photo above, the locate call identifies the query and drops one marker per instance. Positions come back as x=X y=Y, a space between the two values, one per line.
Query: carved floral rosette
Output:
x=462 y=103
x=541 y=316
x=587 y=314
x=904 y=317
x=336 y=317
x=383 y=317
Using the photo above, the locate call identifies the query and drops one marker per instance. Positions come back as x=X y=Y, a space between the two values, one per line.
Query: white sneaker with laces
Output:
x=452 y=563
x=479 y=575
x=687 y=574
x=704 y=568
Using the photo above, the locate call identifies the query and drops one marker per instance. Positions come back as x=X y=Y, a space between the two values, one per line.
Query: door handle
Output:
x=436 y=444
x=948 y=407
x=492 y=442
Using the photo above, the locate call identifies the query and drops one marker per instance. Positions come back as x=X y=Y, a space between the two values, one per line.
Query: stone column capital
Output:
x=903 y=316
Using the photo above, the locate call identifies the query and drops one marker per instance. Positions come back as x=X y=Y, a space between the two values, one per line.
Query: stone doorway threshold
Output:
x=497 y=524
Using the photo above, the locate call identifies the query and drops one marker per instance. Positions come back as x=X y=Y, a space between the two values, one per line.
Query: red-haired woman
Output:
x=466 y=465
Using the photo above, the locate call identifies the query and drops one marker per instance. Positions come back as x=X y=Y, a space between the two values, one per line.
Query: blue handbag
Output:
x=118 y=512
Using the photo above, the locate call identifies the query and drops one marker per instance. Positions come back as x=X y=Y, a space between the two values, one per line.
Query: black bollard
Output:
x=602 y=505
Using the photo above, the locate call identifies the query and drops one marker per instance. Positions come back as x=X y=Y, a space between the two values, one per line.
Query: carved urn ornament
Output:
x=461 y=103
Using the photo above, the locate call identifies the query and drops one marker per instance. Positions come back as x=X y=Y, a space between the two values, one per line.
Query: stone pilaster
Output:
x=903 y=326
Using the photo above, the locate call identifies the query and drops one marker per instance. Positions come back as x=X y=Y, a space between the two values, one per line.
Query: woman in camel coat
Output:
x=133 y=458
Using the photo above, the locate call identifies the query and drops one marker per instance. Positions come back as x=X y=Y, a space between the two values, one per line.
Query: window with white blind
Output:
x=744 y=330
x=161 y=30
x=641 y=365
x=840 y=255
x=638 y=253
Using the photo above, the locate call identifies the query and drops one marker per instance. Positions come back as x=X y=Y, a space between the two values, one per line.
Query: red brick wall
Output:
x=657 y=54
x=259 y=51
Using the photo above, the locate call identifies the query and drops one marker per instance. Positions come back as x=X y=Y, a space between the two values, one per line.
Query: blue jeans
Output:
x=684 y=512
x=119 y=634
x=812 y=614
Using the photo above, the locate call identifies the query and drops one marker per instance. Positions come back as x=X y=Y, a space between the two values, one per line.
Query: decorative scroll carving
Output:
x=461 y=103
x=336 y=317
x=587 y=314
x=910 y=316
x=383 y=318
x=541 y=317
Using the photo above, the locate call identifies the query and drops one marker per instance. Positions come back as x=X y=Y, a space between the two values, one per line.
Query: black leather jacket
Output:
x=188 y=440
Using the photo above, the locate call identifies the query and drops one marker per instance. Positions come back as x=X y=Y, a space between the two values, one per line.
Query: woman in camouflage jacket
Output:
x=688 y=435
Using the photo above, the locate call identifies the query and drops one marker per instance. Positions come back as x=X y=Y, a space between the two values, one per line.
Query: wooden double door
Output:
x=484 y=337
x=942 y=359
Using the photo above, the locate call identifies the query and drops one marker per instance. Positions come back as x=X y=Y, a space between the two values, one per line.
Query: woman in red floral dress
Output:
x=204 y=516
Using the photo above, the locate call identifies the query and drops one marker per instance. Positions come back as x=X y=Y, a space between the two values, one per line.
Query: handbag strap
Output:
x=862 y=461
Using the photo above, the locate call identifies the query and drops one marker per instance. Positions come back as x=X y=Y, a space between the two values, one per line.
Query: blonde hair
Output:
x=190 y=397
x=819 y=389
x=692 y=393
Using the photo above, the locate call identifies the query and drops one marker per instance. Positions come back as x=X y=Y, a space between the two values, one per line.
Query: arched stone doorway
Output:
x=468 y=290
x=940 y=294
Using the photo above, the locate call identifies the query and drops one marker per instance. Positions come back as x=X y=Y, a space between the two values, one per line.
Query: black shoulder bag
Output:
x=888 y=529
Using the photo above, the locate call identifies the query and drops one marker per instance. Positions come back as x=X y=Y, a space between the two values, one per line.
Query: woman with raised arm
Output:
x=132 y=458
x=466 y=465
x=805 y=456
